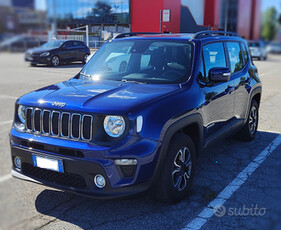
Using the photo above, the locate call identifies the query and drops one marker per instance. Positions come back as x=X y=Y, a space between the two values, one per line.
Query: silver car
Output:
x=257 y=50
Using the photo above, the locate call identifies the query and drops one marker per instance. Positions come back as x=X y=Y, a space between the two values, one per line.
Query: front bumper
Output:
x=79 y=172
x=35 y=59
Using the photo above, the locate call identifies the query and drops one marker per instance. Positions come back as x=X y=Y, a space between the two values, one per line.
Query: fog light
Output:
x=17 y=161
x=99 y=181
x=126 y=161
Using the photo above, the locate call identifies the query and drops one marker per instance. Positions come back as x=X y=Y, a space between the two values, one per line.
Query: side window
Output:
x=78 y=44
x=75 y=44
x=235 y=56
x=201 y=74
x=214 y=56
x=245 y=53
x=67 y=45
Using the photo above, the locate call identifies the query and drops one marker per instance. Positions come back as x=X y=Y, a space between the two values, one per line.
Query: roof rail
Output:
x=209 y=33
x=124 y=35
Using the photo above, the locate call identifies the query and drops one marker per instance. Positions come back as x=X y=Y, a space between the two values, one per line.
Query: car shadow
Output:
x=63 y=66
x=216 y=168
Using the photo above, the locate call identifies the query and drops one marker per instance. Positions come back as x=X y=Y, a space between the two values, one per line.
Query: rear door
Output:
x=218 y=106
x=78 y=49
x=239 y=63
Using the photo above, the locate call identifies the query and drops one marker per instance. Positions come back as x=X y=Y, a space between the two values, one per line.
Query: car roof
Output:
x=65 y=40
x=204 y=36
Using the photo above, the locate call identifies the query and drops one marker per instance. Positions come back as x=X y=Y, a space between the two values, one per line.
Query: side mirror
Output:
x=219 y=74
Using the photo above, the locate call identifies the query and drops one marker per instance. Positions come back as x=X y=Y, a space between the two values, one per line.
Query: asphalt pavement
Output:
x=237 y=184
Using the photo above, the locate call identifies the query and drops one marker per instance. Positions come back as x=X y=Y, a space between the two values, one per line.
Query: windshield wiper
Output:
x=137 y=82
x=86 y=75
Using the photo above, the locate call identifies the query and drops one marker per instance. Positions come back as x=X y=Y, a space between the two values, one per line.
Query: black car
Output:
x=55 y=52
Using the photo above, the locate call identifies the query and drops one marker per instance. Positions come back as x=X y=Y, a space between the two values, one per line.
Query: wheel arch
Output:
x=256 y=95
x=192 y=126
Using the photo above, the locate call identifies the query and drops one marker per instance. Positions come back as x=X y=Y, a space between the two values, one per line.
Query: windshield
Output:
x=142 y=60
x=52 y=44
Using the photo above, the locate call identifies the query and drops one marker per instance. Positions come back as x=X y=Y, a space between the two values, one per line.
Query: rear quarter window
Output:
x=245 y=52
x=235 y=56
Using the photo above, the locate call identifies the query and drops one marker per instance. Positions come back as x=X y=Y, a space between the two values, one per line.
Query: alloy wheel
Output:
x=182 y=169
x=253 y=119
x=55 y=61
x=85 y=58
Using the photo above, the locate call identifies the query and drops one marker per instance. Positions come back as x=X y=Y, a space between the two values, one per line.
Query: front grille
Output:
x=65 y=179
x=59 y=124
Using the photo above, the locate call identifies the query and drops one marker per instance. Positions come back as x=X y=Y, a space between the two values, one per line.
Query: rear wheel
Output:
x=177 y=172
x=85 y=58
x=249 y=129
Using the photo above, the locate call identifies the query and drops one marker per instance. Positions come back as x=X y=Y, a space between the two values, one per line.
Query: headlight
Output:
x=21 y=113
x=114 y=126
x=45 y=54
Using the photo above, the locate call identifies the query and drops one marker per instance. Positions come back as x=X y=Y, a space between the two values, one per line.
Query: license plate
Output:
x=47 y=163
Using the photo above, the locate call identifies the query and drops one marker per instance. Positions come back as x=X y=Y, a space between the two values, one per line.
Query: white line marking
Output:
x=4 y=178
x=6 y=122
x=7 y=96
x=225 y=194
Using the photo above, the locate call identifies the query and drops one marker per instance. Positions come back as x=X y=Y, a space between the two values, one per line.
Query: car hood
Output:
x=104 y=97
x=39 y=50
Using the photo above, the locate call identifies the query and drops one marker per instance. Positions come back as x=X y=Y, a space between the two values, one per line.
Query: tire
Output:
x=249 y=130
x=55 y=61
x=170 y=188
x=84 y=61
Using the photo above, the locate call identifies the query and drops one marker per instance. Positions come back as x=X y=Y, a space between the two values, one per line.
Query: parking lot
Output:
x=243 y=177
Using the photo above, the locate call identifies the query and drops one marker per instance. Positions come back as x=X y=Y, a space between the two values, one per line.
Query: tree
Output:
x=270 y=24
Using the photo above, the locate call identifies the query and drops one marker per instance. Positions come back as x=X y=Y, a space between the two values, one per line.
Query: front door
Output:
x=67 y=52
x=218 y=107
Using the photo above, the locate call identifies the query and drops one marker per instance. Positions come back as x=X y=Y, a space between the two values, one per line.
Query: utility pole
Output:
x=54 y=21
x=225 y=15
x=87 y=35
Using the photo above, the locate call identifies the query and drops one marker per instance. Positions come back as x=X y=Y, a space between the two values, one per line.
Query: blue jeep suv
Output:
x=137 y=115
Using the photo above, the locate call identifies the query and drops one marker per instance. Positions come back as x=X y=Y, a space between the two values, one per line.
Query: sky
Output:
x=268 y=3
x=41 y=4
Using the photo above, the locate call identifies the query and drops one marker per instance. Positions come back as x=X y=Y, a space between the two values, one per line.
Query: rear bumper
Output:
x=79 y=173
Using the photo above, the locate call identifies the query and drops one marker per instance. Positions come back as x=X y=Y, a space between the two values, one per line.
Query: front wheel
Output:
x=55 y=61
x=177 y=172
x=248 y=132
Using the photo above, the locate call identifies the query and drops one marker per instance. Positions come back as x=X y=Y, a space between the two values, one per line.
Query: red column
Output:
x=175 y=8
x=145 y=15
x=256 y=20
x=212 y=13
x=244 y=18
